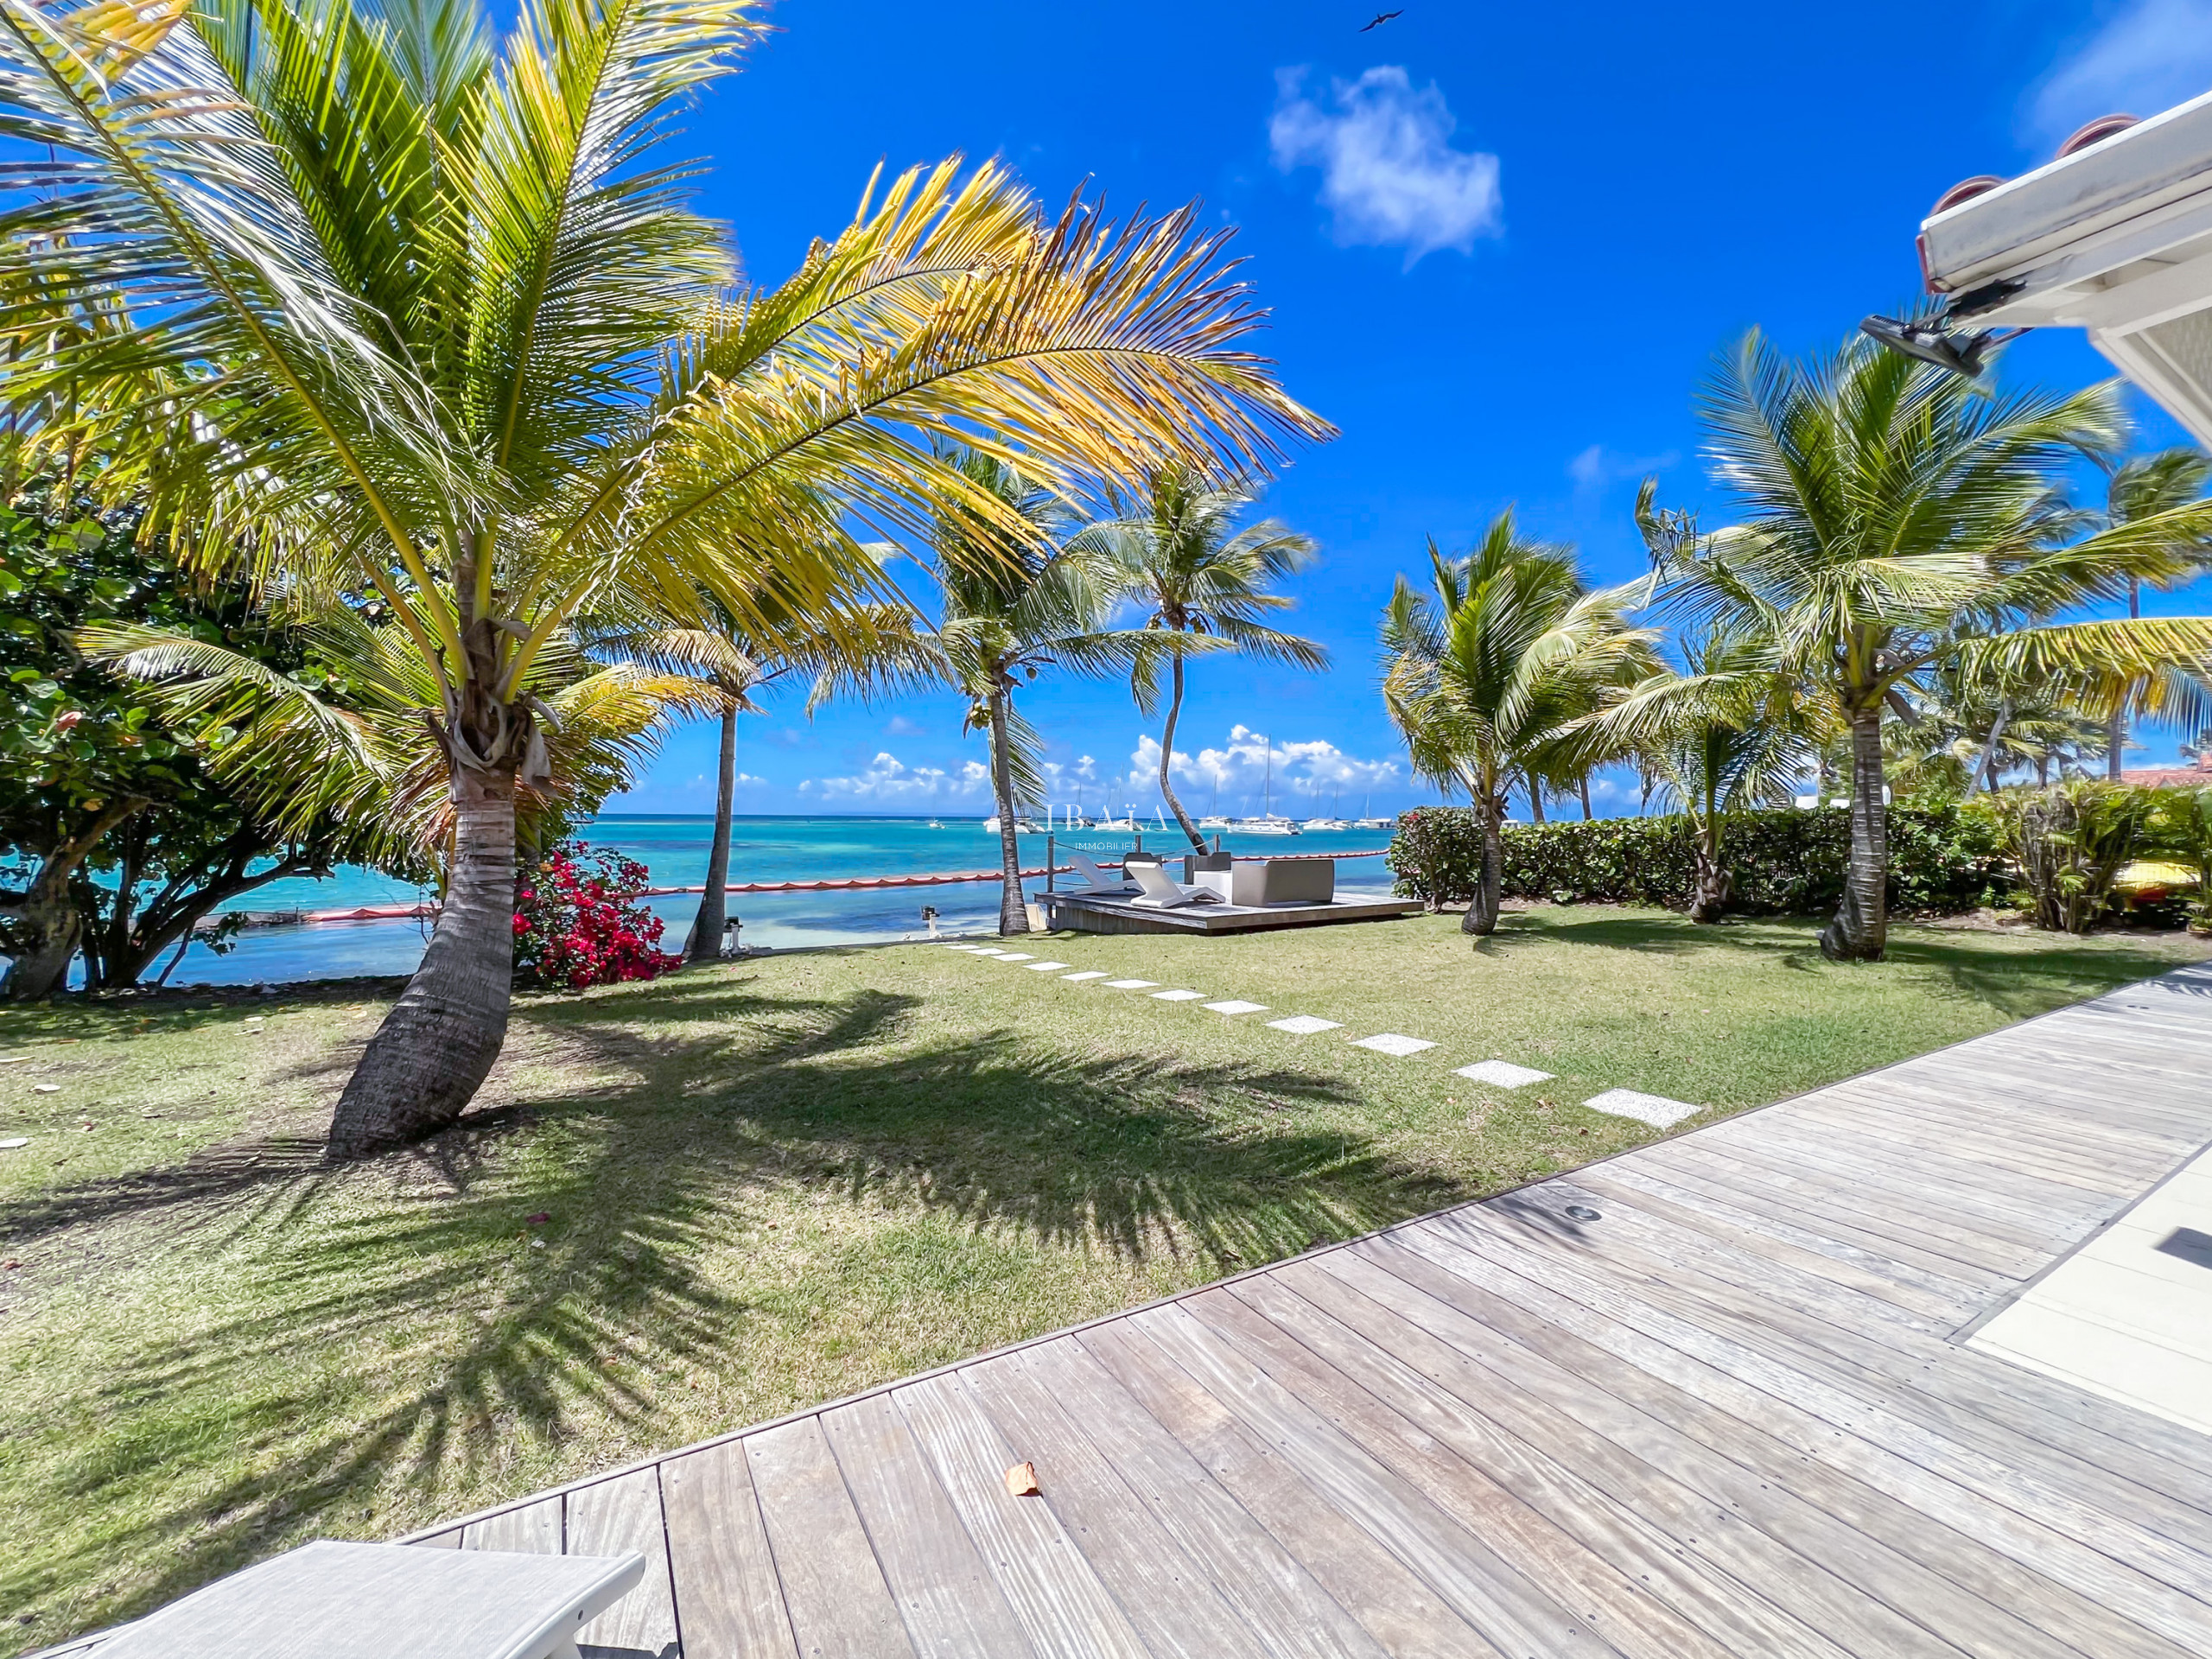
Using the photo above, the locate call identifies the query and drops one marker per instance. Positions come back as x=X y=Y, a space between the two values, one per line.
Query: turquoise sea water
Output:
x=762 y=850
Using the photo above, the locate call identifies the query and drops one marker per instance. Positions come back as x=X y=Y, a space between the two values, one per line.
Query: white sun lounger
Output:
x=1163 y=891
x=1096 y=880
x=330 y=1600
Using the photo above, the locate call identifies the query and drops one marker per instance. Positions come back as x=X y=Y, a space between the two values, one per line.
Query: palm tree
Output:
x=1485 y=674
x=1201 y=579
x=1731 y=730
x=867 y=651
x=411 y=315
x=1015 y=606
x=1899 y=519
x=2142 y=487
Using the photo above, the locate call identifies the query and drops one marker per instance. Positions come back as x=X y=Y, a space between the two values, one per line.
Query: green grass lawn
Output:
x=770 y=1184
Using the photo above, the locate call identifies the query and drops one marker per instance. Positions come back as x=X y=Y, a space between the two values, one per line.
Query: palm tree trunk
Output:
x=437 y=1045
x=1167 y=757
x=1535 y=800
x=2116 y=728
x=1582 y=783
x=1483 y=904
x=1014 y=914
x=1990 y=763
x=1715 y=884
x=705 y=944
x=1861 y=928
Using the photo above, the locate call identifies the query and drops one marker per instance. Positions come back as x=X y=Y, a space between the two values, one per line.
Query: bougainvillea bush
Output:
x=578 y=922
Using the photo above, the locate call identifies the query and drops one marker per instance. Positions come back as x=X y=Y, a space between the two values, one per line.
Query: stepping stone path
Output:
x=13 y=1141
x=1503 y=1074
x=1389 y=1042
x=1657 y=1111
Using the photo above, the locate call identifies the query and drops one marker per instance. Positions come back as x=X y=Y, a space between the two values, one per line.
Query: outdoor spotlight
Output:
x=1583 y=1212
x=1965 y=353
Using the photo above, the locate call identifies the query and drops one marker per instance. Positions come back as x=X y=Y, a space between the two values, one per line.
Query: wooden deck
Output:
x=1087 y=914
x=1734 y=1414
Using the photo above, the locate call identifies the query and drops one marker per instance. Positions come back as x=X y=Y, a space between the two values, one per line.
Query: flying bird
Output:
x=1381 y=18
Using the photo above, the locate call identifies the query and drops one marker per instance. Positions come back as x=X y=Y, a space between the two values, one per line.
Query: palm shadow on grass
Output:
x=723 y=1094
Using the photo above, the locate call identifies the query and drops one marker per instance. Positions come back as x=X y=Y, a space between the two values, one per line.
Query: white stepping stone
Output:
x=1304 y=1025
x=1095 y=972
x=963 y=947
x=13 y=1141
x=1130 y=984
x=1389 y=1042
x=45 y=1088
x=1046 y=967
x=1177 y=996
x=1657 y=1111
x=1503 y=1074
x=987 y=950
x=1013 y=955
x=1234 y=1007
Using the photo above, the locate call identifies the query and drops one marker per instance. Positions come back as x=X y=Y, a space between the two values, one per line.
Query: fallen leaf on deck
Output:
x=1022 y=1480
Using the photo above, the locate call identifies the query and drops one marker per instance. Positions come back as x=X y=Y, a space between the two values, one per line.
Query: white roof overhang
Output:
x=2115 y=239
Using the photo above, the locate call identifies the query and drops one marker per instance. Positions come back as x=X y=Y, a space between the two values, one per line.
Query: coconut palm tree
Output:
x=1487 y=674
x=410 y=314
x=1898 y=518
x=1200 y=577
x=1016 y=604
x=2143 y=486
x=1729 y=731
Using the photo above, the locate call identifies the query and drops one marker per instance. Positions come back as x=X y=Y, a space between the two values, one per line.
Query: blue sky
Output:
x=1501 y=245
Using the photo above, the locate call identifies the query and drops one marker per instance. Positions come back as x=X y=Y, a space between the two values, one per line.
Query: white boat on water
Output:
x=1324 y=824
x=1021 y=826
x=1378 y=823
x=1126 y=826
x=1215 y=821
x=1271 y=825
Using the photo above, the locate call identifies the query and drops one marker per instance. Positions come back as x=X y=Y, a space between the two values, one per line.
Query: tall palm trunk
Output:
x=436 y=1045
x=2116 y=728
x=1535 y=800
x=1582 y=787
x=1483 y=904
x=1861 y=928
x=1714 y=883
x=1014 y=914
x=705 y=944
x=1167 y=756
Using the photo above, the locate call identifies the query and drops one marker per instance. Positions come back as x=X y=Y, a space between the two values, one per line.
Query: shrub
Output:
x=1942 y=859
x=2071 y=842
x=577 y=921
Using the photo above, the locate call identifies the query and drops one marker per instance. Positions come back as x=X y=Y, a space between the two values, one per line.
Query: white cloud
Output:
x=1596 y=466
x=1389 y=171
x=2148 y=56
x=1238 y=772
x=902 y=727
x=887 y=778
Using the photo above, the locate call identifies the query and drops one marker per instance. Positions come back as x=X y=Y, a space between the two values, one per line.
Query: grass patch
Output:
x=774 y=1183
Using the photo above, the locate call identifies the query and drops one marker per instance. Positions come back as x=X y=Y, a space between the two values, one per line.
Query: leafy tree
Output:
x=126 y=841
x=405 y=311
x=1487 y=674
x=1014 y=604
x=1200 y=578
x=1899 y=519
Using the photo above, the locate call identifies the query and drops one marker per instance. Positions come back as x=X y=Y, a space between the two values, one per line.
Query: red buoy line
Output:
x=853 y=884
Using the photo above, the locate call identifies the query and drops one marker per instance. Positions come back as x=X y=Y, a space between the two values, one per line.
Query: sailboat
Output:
x=1331 y=820
x=1213 y=819
x=1367 y=819
x=1127 y=823
x=1268 y=823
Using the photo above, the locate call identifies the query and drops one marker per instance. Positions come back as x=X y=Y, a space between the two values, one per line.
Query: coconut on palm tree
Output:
x=1488 y=674
x=1016 y=603
x=414 y=315
x=1200 y=578
x=1899 y=518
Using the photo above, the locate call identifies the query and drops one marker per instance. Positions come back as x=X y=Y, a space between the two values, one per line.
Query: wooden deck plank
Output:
x=943 y=1589
x=1042 y=1572
x=834 y=1590
x=531 y=1528
x=1730 y=1417
x=1391 y=1602
x=729 y=1602
x=613 y=1518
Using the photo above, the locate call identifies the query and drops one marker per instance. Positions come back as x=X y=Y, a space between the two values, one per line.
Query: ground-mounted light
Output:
x=1583 y=1212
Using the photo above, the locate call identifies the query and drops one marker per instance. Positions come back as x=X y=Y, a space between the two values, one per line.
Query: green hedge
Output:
x=1942 y=859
